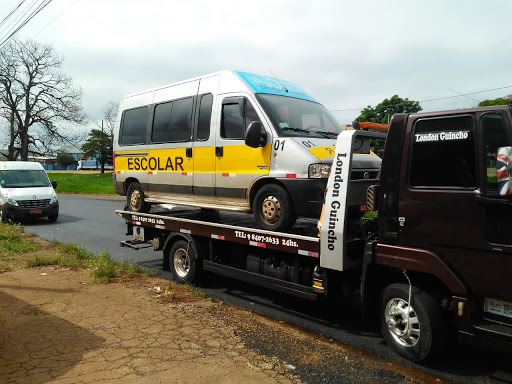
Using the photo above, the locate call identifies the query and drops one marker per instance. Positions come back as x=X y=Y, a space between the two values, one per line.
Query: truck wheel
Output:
x=273 y=208
x=135 y=199
x=183 y=262
x=414 y=331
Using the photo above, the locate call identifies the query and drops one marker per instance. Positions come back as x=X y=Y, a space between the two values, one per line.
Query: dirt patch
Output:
x=57 y=326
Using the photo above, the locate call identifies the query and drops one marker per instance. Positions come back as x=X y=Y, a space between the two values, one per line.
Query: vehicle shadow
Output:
x=37 y=346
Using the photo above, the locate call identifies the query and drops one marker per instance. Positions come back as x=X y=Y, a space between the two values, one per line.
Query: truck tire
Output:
x=424 y=317
x=184 y=264
x=273 y=208
x=135 y=199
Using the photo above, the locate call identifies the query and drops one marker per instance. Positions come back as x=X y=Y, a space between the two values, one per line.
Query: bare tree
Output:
x=36 y=98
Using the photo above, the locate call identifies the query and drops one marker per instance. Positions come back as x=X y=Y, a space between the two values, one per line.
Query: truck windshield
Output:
x=23 y=179
x=297 y=117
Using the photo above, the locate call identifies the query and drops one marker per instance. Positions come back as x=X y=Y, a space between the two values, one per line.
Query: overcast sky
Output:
x=347 y=54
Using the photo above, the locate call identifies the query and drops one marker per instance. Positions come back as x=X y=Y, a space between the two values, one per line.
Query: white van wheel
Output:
x=135 y=199
x=273 y=208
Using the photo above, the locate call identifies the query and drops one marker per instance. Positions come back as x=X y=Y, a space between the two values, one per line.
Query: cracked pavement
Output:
x=57 y=327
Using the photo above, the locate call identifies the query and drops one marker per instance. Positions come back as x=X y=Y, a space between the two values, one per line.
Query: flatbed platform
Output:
x=229 y=226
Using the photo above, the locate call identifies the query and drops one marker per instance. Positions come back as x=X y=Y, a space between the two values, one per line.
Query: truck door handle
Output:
x=219 y=151
x=188 y=152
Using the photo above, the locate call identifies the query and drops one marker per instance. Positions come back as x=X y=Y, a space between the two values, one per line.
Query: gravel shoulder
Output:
x=58 y=326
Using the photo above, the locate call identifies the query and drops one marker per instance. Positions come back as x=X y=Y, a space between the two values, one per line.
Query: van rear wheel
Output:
x=273 y=208
x=135 y=199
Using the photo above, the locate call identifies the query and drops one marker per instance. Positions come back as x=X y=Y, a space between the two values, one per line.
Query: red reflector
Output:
x=262 y=245
x=291 y=175
x=183 y=173
x=363 y=208
x=225 y=175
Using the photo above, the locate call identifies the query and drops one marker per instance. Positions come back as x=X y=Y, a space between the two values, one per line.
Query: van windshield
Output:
x=25 y=178
x=298 y=117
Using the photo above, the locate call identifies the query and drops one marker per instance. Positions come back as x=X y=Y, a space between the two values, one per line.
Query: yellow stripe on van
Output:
x=243 y=159
x=154 y=160
x=322 y=152
x=236 y=159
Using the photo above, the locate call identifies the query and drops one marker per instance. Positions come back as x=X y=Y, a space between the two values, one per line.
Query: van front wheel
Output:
x=273 y=208
x=135 y=199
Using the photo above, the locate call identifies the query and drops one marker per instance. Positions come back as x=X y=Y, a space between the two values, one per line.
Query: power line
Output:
x=24 y=22
x=9 y=15
x=15 y=19
x=428 y=100
x=55 y=18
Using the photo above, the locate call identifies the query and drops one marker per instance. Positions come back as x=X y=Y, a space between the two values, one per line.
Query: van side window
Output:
x=134 y=126
x=236 y=119
x=205 y=115
x=161 y=123
x=443 y=153
x=494 y=136
x=232 y=121
x=172 y=121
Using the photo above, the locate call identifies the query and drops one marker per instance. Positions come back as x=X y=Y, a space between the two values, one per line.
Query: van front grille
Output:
x=31 y=204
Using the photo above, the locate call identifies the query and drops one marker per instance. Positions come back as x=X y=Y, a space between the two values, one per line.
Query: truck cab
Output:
x=444 y=210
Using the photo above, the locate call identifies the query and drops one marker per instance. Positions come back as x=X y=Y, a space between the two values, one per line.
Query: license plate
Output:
x=498 y=307
x=35 y=211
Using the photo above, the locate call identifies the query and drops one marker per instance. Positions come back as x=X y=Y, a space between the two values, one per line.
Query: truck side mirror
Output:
x=255 y=135
x=504 y=170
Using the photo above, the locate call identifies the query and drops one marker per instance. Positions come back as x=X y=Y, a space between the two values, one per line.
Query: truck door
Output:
x=237 y=165
x=444 y=201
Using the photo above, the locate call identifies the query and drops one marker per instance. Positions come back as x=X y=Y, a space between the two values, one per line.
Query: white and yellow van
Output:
x=229 y=140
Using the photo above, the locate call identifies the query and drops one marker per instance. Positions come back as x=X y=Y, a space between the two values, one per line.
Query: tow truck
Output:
x=435 y=259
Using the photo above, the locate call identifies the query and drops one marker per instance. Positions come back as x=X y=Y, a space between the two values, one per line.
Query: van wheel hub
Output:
x=271 y=209
x=135 y=199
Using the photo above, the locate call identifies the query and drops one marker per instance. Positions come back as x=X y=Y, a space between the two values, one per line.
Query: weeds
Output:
x=14 y=242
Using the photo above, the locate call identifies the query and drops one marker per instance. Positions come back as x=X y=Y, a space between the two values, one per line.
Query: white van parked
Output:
x=26 y=191
x=229 y=140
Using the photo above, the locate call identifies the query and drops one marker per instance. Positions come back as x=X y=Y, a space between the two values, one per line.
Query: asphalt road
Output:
x=90 y=222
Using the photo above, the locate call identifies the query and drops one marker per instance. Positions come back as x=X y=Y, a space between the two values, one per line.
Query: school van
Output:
x=230 y=140
x=26 y=191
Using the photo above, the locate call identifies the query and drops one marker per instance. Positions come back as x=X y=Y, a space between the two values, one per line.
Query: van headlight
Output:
x=53 y=199
x=11 y=200
x=319 y=171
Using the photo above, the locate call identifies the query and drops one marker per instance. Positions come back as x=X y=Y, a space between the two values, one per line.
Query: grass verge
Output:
x=83 y=182
x=19 y=249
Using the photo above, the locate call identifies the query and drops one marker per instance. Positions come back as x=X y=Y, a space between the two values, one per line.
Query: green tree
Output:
x=388 y=107
x=99 y=145
x=100 y=141
x=65 y=160
x=490 y=103
x=35 y=98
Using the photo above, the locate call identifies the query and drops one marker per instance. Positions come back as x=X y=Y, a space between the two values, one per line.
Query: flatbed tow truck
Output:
x=437 y=259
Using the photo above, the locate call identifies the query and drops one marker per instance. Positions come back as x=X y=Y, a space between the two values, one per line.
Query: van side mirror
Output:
x=504 y=170
x=255 y=135
x=54 y=184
